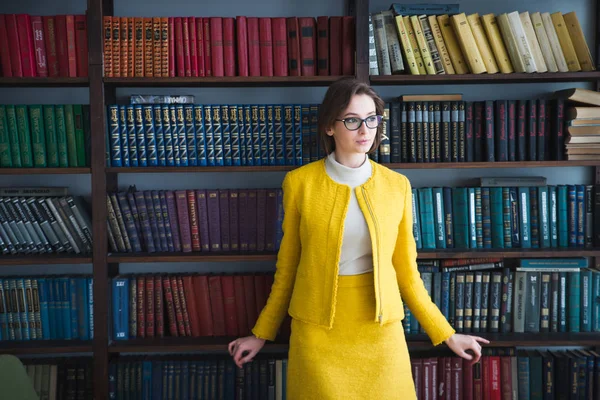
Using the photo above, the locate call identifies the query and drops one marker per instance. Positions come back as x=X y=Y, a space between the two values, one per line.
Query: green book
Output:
x=61 y=135
x=79 y=134
x=71 y=141
x=50 y=130
x=5 y=157
x=38 y=139
x=24 y=135
x=13 y=136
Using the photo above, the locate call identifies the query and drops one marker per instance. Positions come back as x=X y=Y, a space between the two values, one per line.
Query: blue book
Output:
x=190 y=134
x=168 y=135
x=44 y=312
x=185 y=379
x=175 y=134
x=257 y=148
x=544 y=217
x=159 y=130
x=445 y=309
x=241 y=120
x=140 y=135
x=90 y=286
x=448 y=218
x=306 y=136
x=595 y=304
x=55 y=331
x=438 y=218
x=427 y=219
x=273 y=134
x=562 y=216
x=83 y=309
x=226 y=135
x=208 y=134
x=472 y=218
x=248 y=135
x=120 y=302
x=426 y=8
x=316 y=150
x=146 y=380
x=181 y=135
x=523 y=374
x=123 y=131
x=150 y=135
x=288 y=135
x=114 y=135
x=416 y=219
x=65 y=307
x=263 y=128
x=234 y=132
x=524 y=207
x=74 y=307
x=460 y=206
x=586 y=300
x=298 y=133
x=131 y=136
x=217 y=133
x=200 y=136
x=497 y=217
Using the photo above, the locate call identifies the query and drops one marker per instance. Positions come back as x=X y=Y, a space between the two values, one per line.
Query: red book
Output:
x=266 y=46
x=141 y=306
x=60 y=23
x=279 y=32
x=308 y=46
x=150 y=313
x=193 y=46
x=229 y=307
x=216 y=302
x=71 y=52
x=26 y=45
x=186 y=47
x=207 y=50
x=4 y=49
x=457 y=385
x=467 y=380
x=216 y=46
x=240 y=307
x=250 y=300
x=506 y=377
x=190 y=297
x=323 y=46
x=486 y=377
x=229 y=46
x=184 y=307
x=170 y=306
x=172 y=46
x=242 y=46
x=253 y=47
x=496 y=392
x=348 y=46
x=40 y=47
x=200 y=45
x=12 y=34
x=293 y=46
x=159 y=319
x=179 y=52
x=203 y=304
x=178 y=306
x=260 y=292
x=335 y=46
x=477 y=382
x=81 y=42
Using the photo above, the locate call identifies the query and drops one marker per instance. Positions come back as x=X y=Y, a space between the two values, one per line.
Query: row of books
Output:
x=187 y=305
x=44 y=136
x=44 y=223
x=534 y=295
x=207 y=220
x=511 y=214
x=228 y=46
x=211 y=135
x=433 y=43
x=46 y=308
x=43 y=46
x=61 y=378
x=197 y=378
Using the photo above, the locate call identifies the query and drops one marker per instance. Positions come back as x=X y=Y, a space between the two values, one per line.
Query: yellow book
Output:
x=581 y=48
x=422 y=43
x=542 y=37
x=559 y=56
x=490 y=24
x=534 y=44
x=565 y=41
x=456 y=55
x=482 y=43
x=467 y=43
x=406 y=46
x=415 y=46
x=441 y=46
x=511 y=42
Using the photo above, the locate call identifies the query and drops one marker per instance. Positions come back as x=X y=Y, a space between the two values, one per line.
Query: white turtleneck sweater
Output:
x=357 y=255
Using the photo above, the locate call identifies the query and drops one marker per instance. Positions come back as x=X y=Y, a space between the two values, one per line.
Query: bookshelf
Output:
x=103 y=91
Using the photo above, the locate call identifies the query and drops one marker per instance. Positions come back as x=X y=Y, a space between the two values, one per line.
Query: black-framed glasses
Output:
x=353 y=123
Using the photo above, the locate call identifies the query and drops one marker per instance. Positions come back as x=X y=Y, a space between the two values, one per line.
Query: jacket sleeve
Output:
x=288 y=258
x=411 y=285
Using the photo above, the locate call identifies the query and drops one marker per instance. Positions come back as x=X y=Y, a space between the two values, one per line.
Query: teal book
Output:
x=61 y=135
x=486 y=215
x=572 y=214
x=5 y=155
x=460 y=206
x=478 y=218
x=24 y=135
x=497 y=214
x=524 y=217
x=580 y=193
x=51 y=139
x=586 y=300
x=514 y=217
x=534 y=219
x=13 y=136
x=426 y=215
x=472 y=218
x=71 y=141
x=416 y=219
x=506 y=218
x=438 y=217
x=574 y=301
x=544 y=217
x=562 y=219
x=553 y=216
x=38 y=138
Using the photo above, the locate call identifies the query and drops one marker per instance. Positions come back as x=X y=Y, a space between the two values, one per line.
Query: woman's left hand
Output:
x=461 y=343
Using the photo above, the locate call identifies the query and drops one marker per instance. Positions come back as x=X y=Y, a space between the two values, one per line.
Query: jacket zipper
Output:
x=377 y=247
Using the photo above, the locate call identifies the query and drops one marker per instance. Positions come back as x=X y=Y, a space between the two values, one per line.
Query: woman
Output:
x=347 y=262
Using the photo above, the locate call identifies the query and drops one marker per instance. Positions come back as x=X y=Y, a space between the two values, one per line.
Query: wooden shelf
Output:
x=224 y=81
x=28 y=259
x=190 y=257
x=415 y=342
x=485 y=78
x=423 y=255
x=44 y=171
x=279 y=168
x=44 y=82
x=45 y=347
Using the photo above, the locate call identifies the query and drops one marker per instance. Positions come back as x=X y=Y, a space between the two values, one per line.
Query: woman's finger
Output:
x=248 y=357
x=480 y=339
x=231 y=347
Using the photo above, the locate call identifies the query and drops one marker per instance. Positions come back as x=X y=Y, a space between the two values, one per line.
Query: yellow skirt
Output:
x=357 y=359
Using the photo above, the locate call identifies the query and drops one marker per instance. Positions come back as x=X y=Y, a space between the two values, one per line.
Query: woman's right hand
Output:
x=244 y=349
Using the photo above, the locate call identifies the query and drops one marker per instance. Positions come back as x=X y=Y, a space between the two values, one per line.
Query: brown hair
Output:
x=336 y=100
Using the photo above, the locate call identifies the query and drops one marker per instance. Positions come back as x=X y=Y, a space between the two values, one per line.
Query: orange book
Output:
x=138 y=50
x=130 y=48
x=164 y=45
x=124 y=47
x=116 y=46
x=108 y=70
x=157 y=47
x=148 y=48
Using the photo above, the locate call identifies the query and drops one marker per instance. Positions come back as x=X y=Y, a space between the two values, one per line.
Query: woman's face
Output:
x=359 y=141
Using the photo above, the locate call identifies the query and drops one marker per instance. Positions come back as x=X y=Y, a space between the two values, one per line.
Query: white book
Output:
x=557 y=52
x=533 y=42
x=542 y=37
x=522 y=43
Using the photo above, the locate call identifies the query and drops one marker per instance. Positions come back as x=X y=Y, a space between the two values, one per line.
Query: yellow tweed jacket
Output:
x=305 y=283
